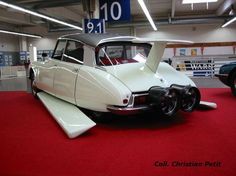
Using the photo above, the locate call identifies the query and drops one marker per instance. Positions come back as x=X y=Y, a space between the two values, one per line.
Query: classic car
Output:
x=112 y=73
x=227 y=75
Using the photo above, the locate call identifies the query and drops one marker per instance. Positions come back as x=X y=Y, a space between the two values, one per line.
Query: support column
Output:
x=23 y=43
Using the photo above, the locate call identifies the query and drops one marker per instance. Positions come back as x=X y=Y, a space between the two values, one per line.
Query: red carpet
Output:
x=33 y=144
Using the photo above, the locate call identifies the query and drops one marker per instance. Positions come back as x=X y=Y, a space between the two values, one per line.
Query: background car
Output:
x=227 y=75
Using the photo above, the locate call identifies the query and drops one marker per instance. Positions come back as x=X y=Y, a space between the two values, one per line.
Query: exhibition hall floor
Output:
x=200 y=143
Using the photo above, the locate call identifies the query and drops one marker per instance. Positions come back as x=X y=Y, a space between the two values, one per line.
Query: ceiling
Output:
x=164 y=12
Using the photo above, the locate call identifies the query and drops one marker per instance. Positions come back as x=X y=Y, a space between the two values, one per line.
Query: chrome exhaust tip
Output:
x=166 y=100
x=190 y=99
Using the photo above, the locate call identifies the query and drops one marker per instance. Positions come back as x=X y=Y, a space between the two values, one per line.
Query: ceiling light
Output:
x=145 y=10
x=197 y=1
x=18 y=33
x=39 y=15
x=229 y=22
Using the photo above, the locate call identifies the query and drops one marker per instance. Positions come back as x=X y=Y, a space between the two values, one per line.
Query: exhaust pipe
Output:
x=169 y=100
x=190 y=97
x=166 y=100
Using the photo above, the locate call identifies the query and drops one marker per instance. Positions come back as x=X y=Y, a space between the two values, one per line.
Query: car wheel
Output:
x=233 y=83
x=34 y=89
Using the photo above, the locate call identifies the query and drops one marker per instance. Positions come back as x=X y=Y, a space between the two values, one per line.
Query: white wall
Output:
x=195 y=33
x=9 y=43
x=219 y=50
x=47 y=43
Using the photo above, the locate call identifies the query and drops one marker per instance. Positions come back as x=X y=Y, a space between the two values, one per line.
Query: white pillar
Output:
x=32 y=53
x=23 y=43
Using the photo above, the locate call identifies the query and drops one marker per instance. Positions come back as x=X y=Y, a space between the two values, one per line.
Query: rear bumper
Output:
x=127 y=110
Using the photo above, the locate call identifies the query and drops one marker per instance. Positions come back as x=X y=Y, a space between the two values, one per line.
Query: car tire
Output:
x=233 y=83
x=34 y=89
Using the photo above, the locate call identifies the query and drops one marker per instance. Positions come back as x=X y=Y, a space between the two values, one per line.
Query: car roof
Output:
x=96 y=39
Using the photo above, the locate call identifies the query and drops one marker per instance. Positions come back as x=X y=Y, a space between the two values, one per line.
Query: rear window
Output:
x=122 y=53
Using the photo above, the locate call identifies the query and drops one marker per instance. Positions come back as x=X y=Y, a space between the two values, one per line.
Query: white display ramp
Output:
x=72 y=120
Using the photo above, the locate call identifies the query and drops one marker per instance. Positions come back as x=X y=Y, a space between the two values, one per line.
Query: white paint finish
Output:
x=206 y=104
x=45 y=74
x=95 y=89
x=65 y=75
x=137 y=77
x=73 y=121
x=172 y=76
x=89 y=56
x=155 y=56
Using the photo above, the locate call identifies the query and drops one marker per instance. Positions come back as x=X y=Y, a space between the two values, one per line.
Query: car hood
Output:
x=138 y=77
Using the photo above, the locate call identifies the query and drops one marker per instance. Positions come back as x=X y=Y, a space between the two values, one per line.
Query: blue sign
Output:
x=23 y=55
x=1 y=60
x=114 y=10
x=94 y=26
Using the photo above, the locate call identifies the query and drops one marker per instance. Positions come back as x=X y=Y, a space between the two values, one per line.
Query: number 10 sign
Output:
x=114 y=10
x=94 y=26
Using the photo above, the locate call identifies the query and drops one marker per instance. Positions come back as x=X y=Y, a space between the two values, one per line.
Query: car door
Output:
x=47 y=69
x=67 y=71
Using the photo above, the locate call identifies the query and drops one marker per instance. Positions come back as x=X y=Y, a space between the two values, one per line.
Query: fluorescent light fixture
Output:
x=18 y=33
x=39 y=15
x=145 y=10
x=197 y=1
x=229 y=22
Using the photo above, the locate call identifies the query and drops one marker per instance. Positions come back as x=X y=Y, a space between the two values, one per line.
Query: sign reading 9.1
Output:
x=94 y=26
x=114 y=10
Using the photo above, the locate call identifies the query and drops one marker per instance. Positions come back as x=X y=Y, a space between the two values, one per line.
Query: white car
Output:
x=110 y=73
x=117 y=74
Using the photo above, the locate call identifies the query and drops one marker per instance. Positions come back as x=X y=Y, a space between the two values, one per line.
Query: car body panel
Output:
x=65 y=77
x=45 y=74
x=164 y=77
x=225 y=72
x=96 y=89
x=71 y=119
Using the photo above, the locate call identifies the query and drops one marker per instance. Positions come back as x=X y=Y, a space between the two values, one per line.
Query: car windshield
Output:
x=122 y=53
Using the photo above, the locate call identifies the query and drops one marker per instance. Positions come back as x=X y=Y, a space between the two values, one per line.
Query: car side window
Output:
x=74 y=52
x=59 y=50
